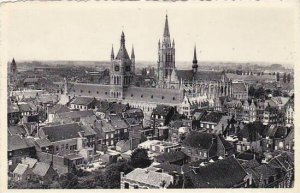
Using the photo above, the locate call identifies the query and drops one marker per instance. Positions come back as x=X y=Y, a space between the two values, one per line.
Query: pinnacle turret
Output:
x=132 y=52
x=112 y=52
x=166 y=30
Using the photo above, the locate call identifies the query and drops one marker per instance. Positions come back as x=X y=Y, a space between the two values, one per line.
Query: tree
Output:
x=284 y=77
x=260 y=93
x=111 y=176
x=251 y=91
x=277 y=76
x=68 y=181
x=139 y=158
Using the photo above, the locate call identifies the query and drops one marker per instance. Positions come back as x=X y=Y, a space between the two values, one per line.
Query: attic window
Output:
x=162 y=97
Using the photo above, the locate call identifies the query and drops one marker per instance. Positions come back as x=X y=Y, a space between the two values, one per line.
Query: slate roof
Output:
x=17 y=130
x=58 y=108
x=134 y=112
x=82 y=100
x=149 y=177
x=117 y=122
x=213 y=117
x=41 y=169
x=154 y=95
x=90 y=90
x=250 y=164
x=62 y=132
x=199 y=140
x=25 y=107
x=162 y=110
x=29 y=161
x=265 y=171
x=239 y=87
x=20 y=169
x=225 y=173
x=75 y=114
x=15 y=142
x=107 y=126
x=171 y=156
x=200 y=76
x=43 y=142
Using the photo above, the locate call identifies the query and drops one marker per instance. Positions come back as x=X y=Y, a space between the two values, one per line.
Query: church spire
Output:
x=112 y=56
x=195 y=61
x=195 y=56
x=132 y=52
x=122 y=39
x=166 y=30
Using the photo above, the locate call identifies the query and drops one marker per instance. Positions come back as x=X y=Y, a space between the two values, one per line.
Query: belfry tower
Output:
x=166 y=56
x=121 y=70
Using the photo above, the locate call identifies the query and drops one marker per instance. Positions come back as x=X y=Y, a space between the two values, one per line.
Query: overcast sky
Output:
x=86 y=31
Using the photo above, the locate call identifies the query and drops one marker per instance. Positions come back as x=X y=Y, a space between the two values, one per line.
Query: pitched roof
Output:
x=265 y=171
x=25 y=107
x=117 y=122
x=225 y=173
x=75 y=114
x=58 y=108
x=20 y=169
x=90 y=90
x=62 y=132
x=82 y=100
x=29 y=161
x=12 y=108
x=199 y=140
x=171 y=156
x=213 y=117
x=154 y=95
x=239 y=87
x=162 y=110
x=16 y=142
x=43 y=142
x=149 y=177
x=17 y=130
x=41 y=169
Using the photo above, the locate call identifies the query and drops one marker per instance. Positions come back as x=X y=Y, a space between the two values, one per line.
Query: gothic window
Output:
x=117 y=68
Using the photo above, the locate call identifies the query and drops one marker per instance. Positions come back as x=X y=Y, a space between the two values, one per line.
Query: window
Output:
x=141 y=96
x=162 y=97
x=112 y=135
x=126 y=185
x=56 y=148
x=173 y=98
x=106 y=136
x=89 y=91
x=67 y=146
x=131 y=95
x=81 y=91
x=105 y=93
x=62 y=146
x=127 y=68
x=117 y=68
x=97 y=92
x=152 y=96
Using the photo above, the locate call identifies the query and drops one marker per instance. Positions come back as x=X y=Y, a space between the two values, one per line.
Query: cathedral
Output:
x=184 y=89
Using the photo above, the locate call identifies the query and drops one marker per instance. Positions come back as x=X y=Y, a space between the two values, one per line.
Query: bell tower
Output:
x=166 y=56
x=121 y=70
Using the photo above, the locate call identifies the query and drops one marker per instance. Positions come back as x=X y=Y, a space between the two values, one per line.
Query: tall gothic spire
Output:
x=195 y=56
x=166 y=30
x=112 y=52
x=122 y=39
x=132 y=52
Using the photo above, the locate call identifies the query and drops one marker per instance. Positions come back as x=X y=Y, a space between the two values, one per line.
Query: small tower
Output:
x=13 y=70
x=195 y=62
x=133 y=60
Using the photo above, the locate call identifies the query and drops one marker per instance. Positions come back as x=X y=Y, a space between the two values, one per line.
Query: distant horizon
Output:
x=87 y=31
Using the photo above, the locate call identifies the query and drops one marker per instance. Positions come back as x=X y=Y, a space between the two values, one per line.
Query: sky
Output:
x=87 y=31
